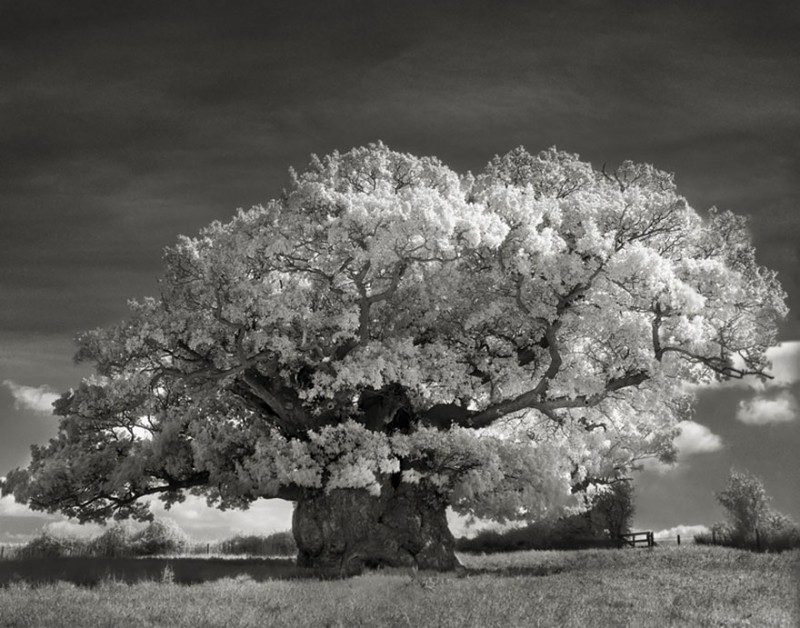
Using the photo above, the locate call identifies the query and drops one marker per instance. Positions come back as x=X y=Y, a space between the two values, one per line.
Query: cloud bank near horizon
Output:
x=687 y=532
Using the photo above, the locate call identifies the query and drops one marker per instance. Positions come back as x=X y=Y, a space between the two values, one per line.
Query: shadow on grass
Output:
x=87 y=571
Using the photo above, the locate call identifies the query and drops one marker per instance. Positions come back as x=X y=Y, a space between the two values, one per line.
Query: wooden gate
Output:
x=637 y=539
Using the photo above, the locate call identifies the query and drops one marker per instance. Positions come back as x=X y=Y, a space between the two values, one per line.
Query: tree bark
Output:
x=348 y=529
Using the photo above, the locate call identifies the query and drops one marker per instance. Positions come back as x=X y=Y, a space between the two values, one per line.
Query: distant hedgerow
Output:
x=158 y=537
x=277 y=544
x=609 y=516
x=47 y=545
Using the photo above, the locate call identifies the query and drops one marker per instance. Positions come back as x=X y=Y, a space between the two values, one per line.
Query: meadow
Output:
x=681 y=586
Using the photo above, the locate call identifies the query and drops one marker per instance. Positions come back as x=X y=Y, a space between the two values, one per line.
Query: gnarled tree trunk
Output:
x=349 y=529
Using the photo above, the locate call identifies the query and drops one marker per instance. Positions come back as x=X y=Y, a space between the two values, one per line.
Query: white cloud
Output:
x=36 y=398
x=72 y=529
x=696 y=439
x=761 y=410
x=785 y=358
x=693 y=439
x=687 y=532
x=10 y=508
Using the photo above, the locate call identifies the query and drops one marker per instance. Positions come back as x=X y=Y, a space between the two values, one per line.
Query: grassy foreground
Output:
x=687 y=586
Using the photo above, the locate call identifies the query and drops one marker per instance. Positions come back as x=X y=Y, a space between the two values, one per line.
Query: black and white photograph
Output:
x=460 y=313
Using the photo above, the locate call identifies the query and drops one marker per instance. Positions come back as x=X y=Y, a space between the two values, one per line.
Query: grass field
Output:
x=685 y=586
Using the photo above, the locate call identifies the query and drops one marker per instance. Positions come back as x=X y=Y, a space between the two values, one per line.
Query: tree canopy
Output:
x=506 y=339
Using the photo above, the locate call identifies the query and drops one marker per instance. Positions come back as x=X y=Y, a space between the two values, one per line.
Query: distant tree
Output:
x=752 y=523
x=748 y=506
x=746 y=501
x=389 y=338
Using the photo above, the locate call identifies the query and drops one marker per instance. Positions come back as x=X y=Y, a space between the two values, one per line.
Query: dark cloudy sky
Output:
x=123 y=124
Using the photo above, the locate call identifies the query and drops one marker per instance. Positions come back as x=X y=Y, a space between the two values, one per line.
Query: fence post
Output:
x=713 y=537
x=208 y=548
x=679 y=539
x=2 y=550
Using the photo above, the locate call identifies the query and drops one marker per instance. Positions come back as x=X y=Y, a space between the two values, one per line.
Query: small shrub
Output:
x=167 y=575
x=720 y=534
x=787 y=538
x=159 y=537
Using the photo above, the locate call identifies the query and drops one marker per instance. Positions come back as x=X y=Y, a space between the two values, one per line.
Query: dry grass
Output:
x=686 y=586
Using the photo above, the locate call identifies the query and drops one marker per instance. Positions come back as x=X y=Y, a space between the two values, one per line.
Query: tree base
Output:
x=349 y=529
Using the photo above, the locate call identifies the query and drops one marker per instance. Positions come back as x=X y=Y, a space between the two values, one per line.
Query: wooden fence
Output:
x=646 y=539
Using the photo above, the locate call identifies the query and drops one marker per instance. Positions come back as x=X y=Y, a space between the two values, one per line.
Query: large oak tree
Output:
x=389 y=338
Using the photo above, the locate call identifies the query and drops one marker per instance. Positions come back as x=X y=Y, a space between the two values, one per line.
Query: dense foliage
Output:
x=507 y=341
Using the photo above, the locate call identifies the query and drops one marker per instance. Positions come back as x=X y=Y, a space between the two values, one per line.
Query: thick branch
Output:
x=565 y=302
x=367 y=300
x=103 y=503
x=292 y=417
x=531 y=400
x=656 y=332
